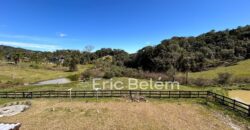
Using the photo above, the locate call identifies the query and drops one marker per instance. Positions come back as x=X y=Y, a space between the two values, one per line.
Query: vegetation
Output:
x=196 y=53
x=194 y=56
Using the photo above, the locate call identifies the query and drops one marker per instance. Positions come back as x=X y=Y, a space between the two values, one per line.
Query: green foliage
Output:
x=195 y=53
x=92 y=73
x=224 y=78
x=73 y=64
x=109 y=75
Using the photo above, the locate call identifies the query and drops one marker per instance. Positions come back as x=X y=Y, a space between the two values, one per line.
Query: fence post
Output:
x=223 y=100
x=130 y=93
x=234 y=106
x=248 y=110
x=31 y=94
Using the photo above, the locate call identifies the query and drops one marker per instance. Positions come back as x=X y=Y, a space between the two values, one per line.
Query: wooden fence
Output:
x=231 y=103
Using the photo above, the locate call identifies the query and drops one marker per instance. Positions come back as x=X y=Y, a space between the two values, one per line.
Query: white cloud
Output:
x=62 y=35
x=47 y=47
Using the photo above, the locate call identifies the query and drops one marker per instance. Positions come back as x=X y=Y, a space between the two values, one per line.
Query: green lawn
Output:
x=241 y=70
x=24 y=73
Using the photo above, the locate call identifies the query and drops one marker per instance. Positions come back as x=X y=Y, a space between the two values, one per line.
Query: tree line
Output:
x=183 y=54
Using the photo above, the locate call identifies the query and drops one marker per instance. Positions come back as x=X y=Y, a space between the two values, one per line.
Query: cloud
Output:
x=47 y=47
x=62 y=35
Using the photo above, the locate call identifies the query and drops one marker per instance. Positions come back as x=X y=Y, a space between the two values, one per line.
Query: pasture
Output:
x=120 y=114
x=240 y=70
x=30 y=73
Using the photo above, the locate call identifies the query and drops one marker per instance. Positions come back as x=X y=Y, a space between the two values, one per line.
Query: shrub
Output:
x=90 y=73
x=224 y=78
x=109 y=75
x=73 y=65
x=202 y=82
x=74 y=77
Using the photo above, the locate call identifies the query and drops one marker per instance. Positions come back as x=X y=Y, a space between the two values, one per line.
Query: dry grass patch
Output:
x=117 y=115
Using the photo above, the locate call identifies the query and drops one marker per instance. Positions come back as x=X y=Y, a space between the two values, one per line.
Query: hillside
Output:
x=240 y=70
x=30 y=73
x=194 y=54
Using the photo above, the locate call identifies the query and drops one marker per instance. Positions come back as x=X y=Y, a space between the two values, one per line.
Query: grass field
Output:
x=241 y=70
x=117 y=114
x=25 y=73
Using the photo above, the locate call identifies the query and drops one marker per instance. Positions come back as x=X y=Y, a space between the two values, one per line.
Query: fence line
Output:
x=231 y=103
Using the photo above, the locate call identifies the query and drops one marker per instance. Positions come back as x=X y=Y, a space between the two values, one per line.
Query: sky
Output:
x=48 y=25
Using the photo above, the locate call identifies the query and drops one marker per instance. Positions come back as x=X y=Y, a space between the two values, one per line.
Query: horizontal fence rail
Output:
x=105 y=93
x=231 y=103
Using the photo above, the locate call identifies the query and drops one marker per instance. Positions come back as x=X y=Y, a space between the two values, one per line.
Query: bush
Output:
x=202 y=82
x=90 y=73
x=224 y=78
x=73 y=65
x=109 y=75
x=74 y=77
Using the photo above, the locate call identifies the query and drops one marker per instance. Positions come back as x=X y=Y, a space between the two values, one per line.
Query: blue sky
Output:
x=123 y=24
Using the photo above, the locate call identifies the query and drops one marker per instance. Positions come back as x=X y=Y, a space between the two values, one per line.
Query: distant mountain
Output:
x=9 y=49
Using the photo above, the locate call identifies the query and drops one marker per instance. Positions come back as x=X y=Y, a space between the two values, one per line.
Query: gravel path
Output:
x=54 y=81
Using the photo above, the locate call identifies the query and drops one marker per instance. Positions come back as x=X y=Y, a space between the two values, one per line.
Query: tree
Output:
x=17 y=58
x=171 y=71
x=224 y=78
x=89 y=48
x=73 y=64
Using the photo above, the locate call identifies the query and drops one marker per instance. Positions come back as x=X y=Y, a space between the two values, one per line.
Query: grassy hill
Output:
x=29 y=73
x=240 y=70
